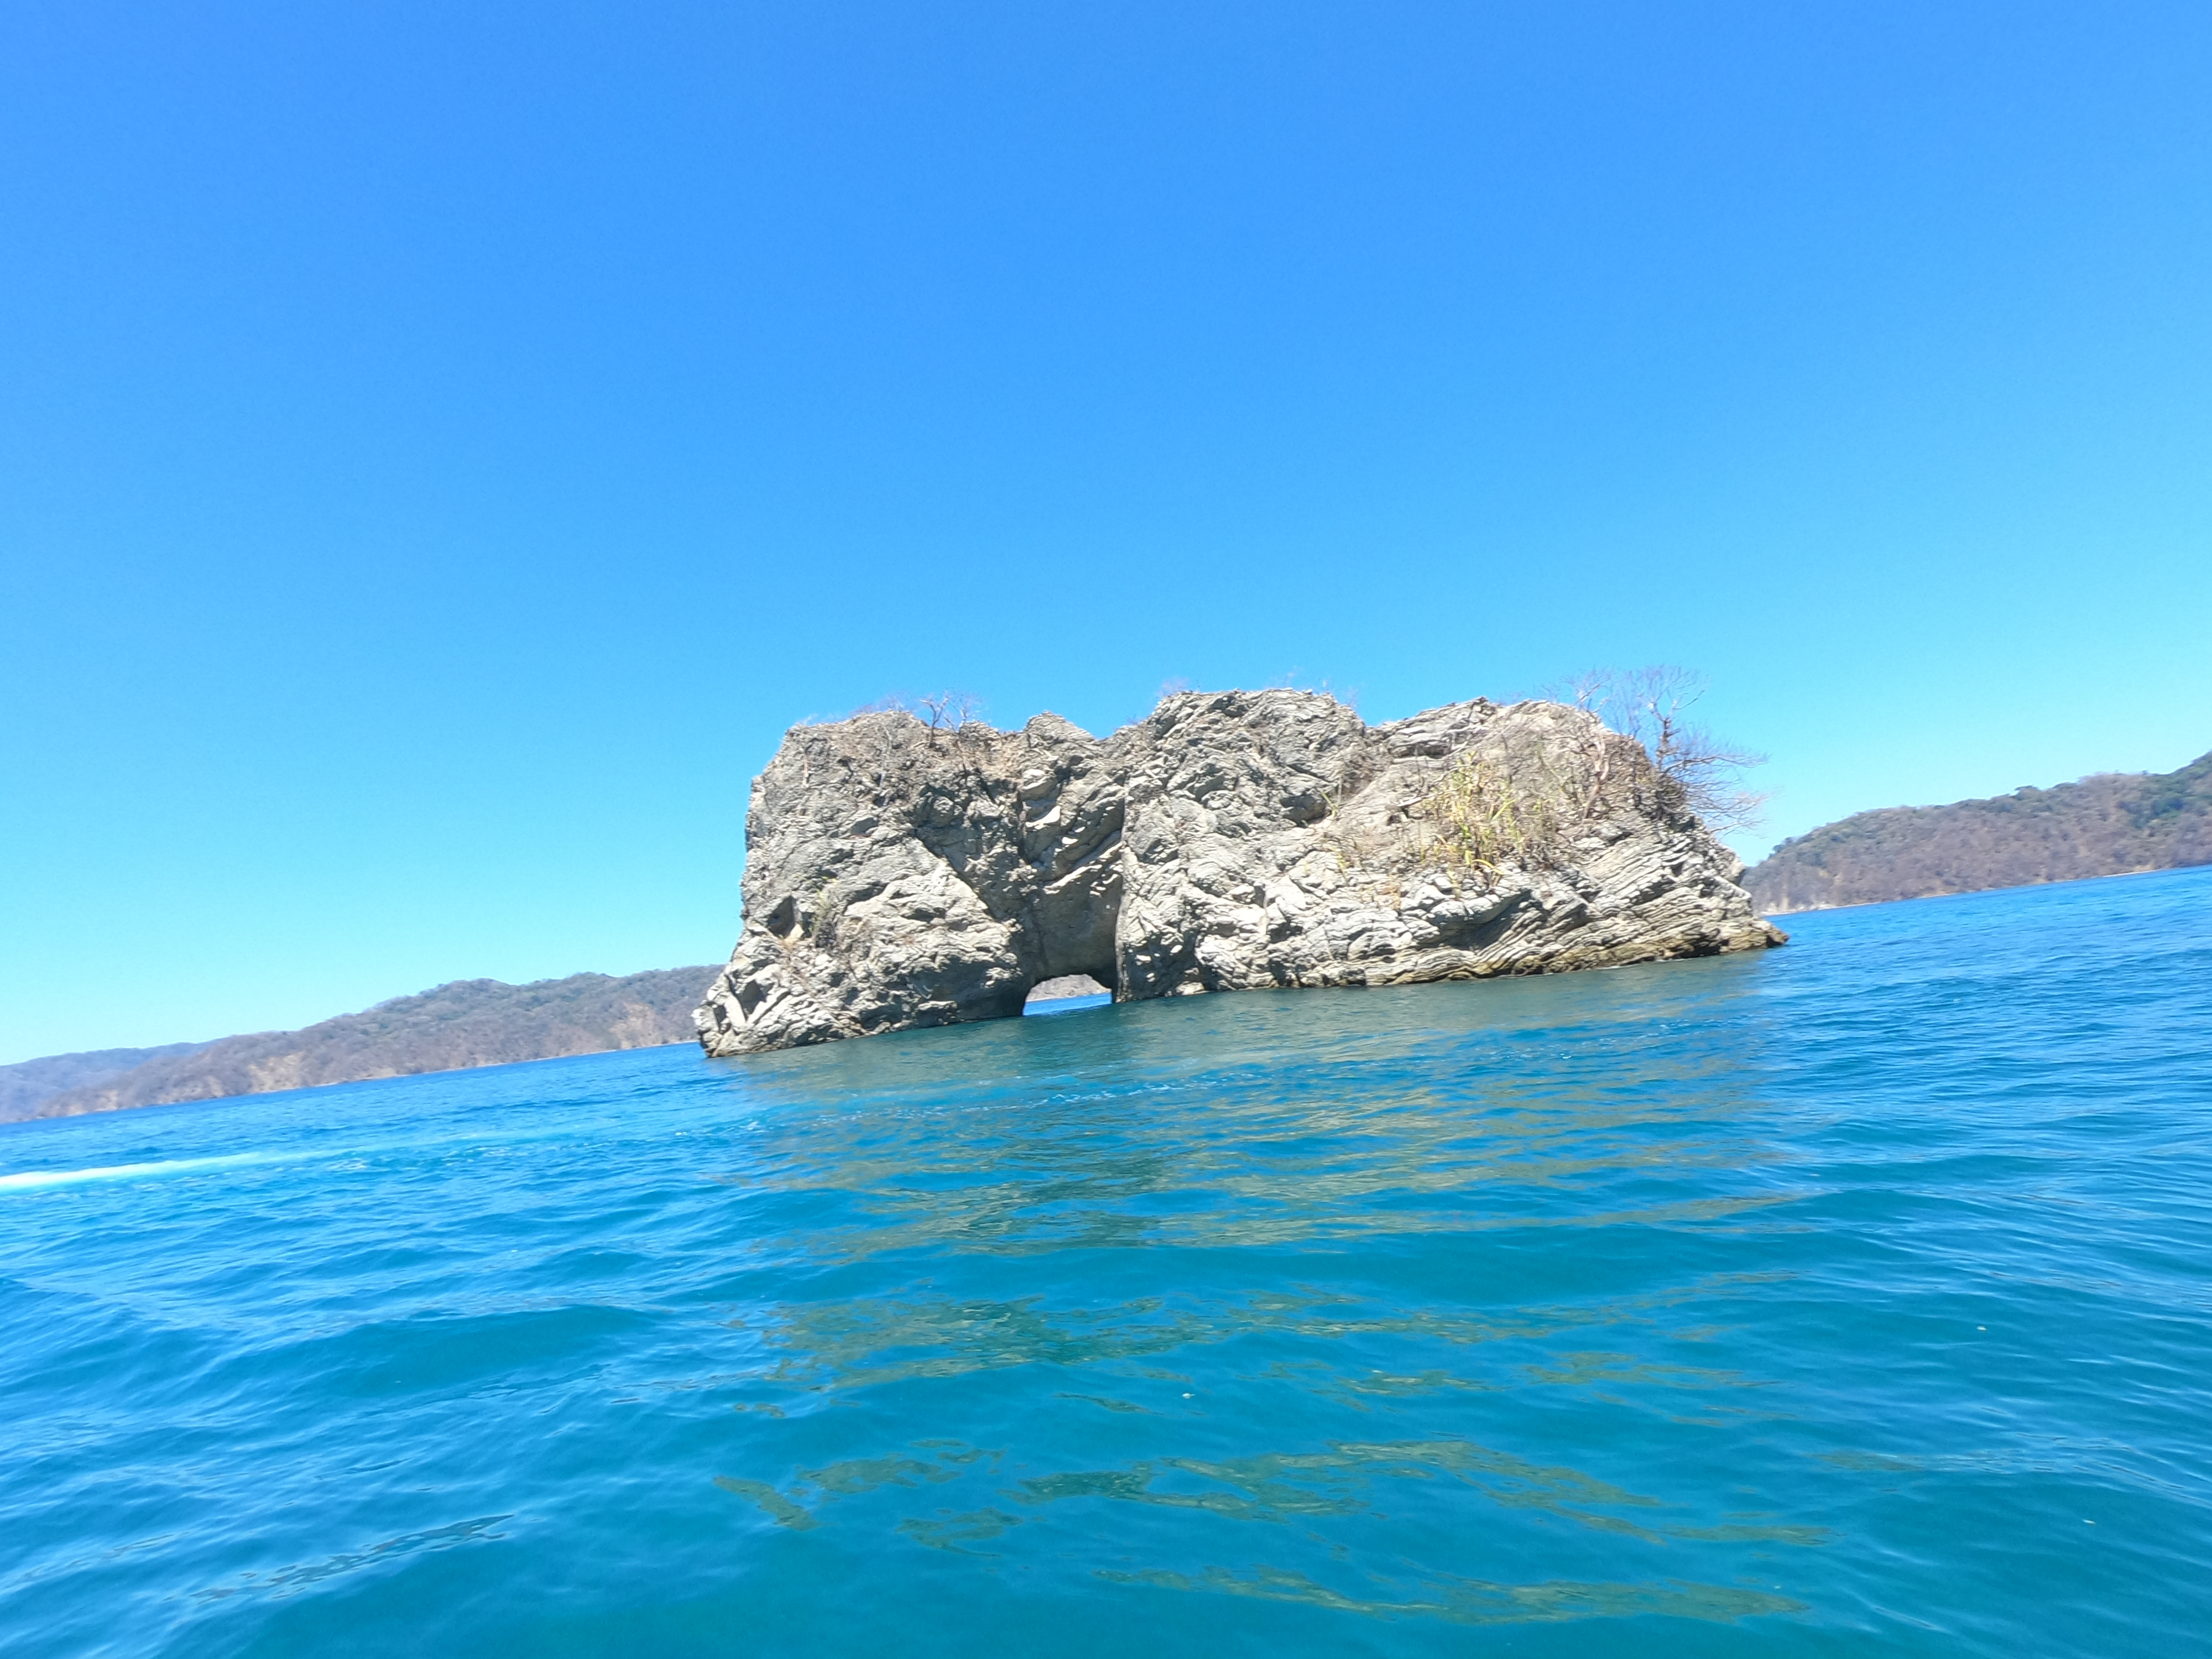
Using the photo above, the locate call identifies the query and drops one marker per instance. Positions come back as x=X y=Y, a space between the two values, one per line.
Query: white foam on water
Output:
x=28 y=1178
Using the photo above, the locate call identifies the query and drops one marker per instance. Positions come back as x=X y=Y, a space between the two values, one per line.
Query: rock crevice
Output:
x=900 y=875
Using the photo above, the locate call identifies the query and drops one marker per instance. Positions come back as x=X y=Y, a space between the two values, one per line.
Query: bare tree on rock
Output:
x=1651 y=705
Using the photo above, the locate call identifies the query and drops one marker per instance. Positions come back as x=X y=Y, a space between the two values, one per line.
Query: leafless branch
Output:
x=1651 y=705
x=940 y=711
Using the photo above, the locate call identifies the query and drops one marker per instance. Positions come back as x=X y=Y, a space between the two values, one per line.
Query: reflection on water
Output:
x=1269 y=1486
x=1314 y=1120
x=288 y=1581
x=1228 y=1242
x=1470 y=1601
x=1848 y=1299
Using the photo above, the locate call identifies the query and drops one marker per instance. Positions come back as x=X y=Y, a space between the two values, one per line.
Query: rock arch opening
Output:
x=1065 y=993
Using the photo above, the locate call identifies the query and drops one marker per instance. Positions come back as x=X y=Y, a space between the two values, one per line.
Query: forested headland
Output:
x=2109 y=824
x=472 y=1022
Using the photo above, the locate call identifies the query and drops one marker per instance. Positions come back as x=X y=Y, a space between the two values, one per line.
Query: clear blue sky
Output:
x=442 y=447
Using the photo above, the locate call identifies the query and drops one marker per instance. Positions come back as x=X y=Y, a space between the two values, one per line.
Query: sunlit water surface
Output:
x=1850 y=1298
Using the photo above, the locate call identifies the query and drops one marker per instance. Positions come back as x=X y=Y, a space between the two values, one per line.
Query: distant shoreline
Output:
x=2109 y=824
x=458 y=1027
x=2010 y=887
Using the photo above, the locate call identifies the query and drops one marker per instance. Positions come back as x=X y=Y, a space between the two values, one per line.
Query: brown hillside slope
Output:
x=2106 y=825
x=473 y=1022
x=27 y=1082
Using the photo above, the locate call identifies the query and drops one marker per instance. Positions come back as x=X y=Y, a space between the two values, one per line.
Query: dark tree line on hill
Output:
x=473 y=1022
x=2106 y=825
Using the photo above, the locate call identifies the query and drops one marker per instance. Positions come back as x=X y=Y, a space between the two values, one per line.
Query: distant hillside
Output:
x=472 y=1022
x=28 y=1082
x=2102 y=826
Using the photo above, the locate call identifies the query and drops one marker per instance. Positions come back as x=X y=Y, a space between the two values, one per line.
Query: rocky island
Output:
x=899 y=874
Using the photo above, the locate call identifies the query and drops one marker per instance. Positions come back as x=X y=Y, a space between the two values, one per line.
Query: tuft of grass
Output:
x=1481 y=818
x=829 y=908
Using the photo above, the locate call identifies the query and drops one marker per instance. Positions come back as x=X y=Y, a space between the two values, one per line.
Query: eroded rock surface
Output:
x=898 y=876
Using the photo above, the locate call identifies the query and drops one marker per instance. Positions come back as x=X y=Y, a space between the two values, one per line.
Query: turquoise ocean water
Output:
x=1854 y=1298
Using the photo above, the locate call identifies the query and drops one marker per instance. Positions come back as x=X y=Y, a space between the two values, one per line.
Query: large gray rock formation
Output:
x=899 y=876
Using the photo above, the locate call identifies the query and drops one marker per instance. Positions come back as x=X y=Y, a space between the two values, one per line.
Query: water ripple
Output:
x=1854 y=1298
